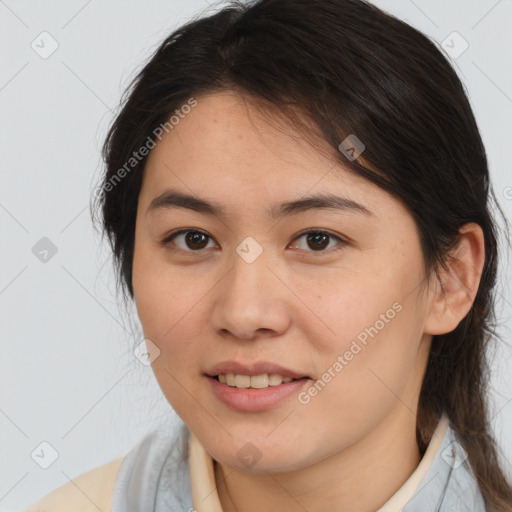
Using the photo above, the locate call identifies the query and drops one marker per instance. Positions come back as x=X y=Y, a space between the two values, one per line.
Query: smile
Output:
x=249 y=399
x=256 y=381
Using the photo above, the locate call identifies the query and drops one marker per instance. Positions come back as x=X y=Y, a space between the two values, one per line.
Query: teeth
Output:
x=243 y=381
x=257 y=381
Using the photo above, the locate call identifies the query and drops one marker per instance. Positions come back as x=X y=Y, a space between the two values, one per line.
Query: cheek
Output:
x=360 y=383
x=376 y=326
x=172 y=314
x=356 y=306
x=170 y=306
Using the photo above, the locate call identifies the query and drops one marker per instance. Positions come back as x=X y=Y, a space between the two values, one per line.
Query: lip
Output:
x=254 y=400
x=253 y=369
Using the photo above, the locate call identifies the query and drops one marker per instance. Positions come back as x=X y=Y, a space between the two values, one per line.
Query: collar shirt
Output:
x=171 y=470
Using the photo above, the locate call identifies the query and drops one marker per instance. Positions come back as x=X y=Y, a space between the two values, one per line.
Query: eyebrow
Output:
x=172 y=198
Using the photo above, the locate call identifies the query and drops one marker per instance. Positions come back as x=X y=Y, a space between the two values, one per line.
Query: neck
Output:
x=362 y=477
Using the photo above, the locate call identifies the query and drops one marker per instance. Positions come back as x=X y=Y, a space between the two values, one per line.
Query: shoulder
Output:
x=87 y=492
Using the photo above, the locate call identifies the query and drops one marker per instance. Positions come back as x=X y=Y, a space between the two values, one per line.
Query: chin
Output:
x=274 y=464
x=258 y=455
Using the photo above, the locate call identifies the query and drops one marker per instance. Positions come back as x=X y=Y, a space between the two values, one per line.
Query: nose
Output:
x=250 y=301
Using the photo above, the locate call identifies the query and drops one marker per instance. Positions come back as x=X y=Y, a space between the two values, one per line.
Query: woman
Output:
x=298 y=201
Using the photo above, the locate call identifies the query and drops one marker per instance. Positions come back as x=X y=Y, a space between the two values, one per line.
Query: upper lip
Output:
x=252 y=369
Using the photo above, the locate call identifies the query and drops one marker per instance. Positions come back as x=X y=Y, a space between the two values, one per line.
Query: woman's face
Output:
x=332 y=296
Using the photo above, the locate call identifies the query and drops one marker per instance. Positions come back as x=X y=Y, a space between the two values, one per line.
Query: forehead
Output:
x=226 y=148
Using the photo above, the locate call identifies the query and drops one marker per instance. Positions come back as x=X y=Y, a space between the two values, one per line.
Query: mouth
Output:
x=257 y=375
x=261 y=381
x=256 y=387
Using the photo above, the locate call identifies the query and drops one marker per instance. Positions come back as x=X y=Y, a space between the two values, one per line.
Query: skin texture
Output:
x=353 y=445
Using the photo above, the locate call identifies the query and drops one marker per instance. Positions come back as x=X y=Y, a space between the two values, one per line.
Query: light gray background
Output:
x=68 y=375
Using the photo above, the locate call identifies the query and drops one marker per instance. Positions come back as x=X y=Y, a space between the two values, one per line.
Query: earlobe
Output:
x=451 y=297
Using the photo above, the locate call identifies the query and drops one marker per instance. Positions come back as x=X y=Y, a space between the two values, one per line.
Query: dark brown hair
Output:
x=346 y=67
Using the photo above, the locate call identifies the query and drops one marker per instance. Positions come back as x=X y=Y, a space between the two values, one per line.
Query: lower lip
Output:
x=255 y=400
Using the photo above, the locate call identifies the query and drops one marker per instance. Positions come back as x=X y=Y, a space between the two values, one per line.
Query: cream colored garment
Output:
x=206 y=499
x=86 y=493
x=93 y=490
x=398 y=501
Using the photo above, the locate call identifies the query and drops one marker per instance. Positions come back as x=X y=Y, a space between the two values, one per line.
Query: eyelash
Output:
x=165 y=242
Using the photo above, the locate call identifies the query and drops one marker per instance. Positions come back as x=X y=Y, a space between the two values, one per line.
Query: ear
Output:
x=451 y=298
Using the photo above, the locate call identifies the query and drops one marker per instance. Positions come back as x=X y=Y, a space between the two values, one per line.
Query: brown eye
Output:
x=318 y=241
x=194 y=241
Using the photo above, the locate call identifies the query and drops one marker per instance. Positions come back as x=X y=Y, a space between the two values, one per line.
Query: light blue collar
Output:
x=154 y=477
